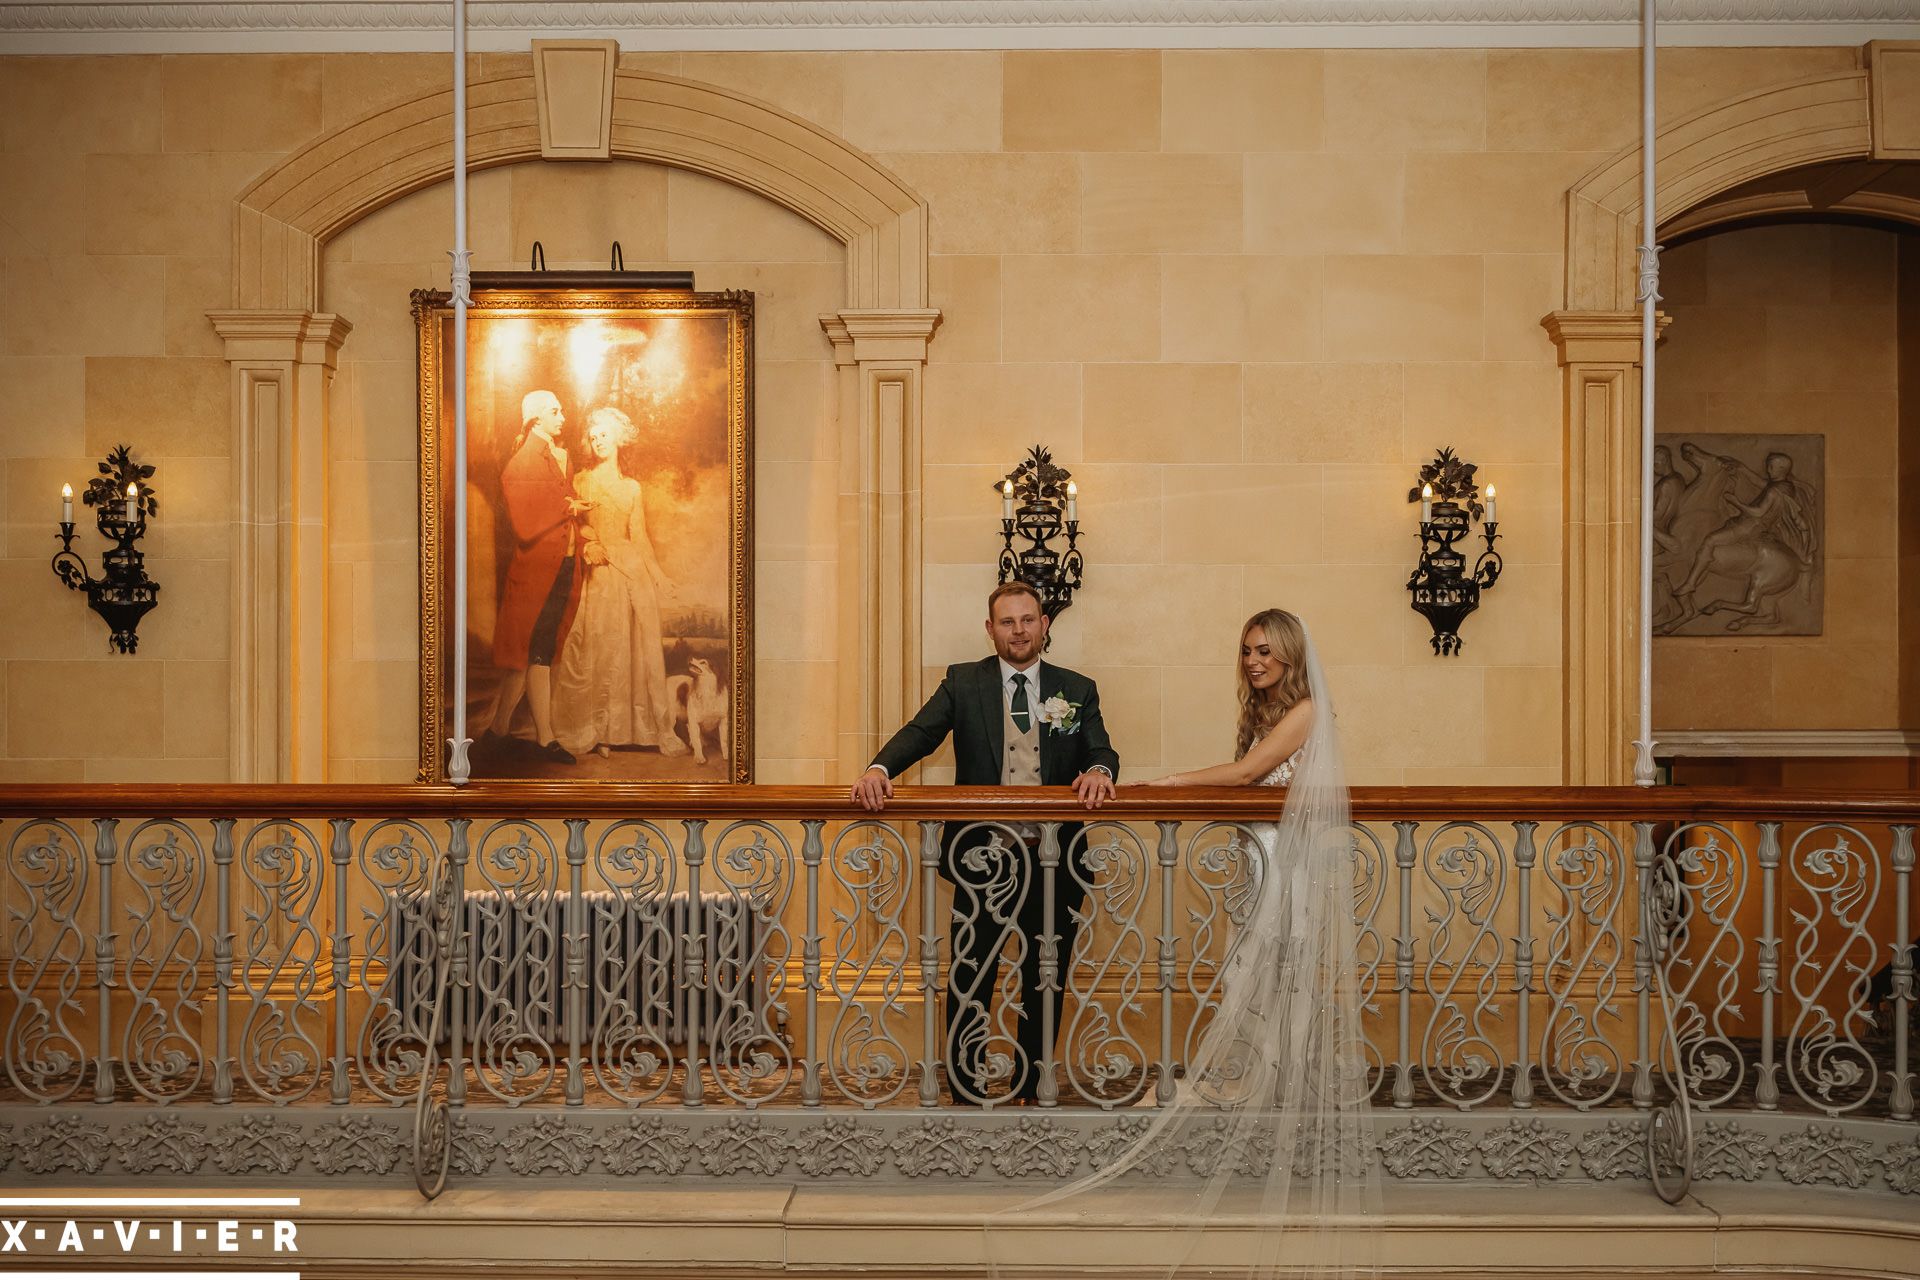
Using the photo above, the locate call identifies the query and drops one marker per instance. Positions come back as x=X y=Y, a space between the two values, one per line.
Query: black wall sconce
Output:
x=1443 y=591
x=1038 y=502
x=123 y=592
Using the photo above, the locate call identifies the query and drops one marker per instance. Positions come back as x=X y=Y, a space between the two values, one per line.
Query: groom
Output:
x=1009 y=729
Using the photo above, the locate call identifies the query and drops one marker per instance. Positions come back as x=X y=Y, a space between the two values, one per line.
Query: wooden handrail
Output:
x=1140 y=804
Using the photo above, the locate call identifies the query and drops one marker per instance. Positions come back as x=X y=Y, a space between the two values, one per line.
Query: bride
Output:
x=1271 y=1126
x=1276 y=708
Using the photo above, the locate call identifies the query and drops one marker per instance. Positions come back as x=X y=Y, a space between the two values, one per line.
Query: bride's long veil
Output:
x=1266 y=1152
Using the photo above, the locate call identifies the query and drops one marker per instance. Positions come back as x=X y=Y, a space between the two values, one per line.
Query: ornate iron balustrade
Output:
x=744 y=982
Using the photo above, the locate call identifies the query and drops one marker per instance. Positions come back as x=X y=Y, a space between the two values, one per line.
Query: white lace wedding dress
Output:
x=1283 y=772
x=1281 y=894
x=1269 y=1135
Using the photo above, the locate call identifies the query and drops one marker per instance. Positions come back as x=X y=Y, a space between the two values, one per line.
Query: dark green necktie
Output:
x=1021 y=719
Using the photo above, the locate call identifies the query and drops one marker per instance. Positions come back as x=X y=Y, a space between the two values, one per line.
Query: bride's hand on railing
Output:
x=1170 y=780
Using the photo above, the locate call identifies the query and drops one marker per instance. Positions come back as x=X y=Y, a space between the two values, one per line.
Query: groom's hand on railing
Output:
x=1094 y=787
x=873 y=790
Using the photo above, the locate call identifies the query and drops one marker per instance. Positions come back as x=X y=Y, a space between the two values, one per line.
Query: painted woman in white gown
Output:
x=1276 y=1089
x=610 y=685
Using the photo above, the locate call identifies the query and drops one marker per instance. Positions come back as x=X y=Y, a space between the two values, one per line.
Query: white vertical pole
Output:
x=1643 y=768
x=458 y=769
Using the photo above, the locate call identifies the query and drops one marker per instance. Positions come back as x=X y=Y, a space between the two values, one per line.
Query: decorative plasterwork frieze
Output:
x=328 y=1146
x=116 y=25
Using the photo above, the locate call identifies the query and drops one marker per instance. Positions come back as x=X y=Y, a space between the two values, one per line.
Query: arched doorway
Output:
x=1725 y=150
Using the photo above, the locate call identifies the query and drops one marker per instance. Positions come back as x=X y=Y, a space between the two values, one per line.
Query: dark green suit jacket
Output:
x=969 y=705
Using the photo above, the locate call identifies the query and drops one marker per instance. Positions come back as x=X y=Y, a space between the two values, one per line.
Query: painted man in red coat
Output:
x=538 y=599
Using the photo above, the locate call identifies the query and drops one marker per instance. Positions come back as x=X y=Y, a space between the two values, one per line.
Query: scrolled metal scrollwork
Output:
x=283 y=865
x=746 y=966
x=1703 y=957
x=1581 y=1062
x=159 y=1051
x=398 y=964
x=1671 y=1152
x=1461 y=1057
x=1105 y=1058
x=47 y=866
x=1833 y=959
x=988 y=863
x=1367 y=854
x=433 y=1121
x=632 y=961
x=873 y=867
x=1225 y=865
x=515 y=1015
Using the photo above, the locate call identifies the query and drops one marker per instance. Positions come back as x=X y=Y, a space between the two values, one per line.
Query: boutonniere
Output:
x=1059 y=715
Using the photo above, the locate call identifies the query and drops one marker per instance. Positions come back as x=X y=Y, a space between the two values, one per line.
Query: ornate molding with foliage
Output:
x=329 y=1146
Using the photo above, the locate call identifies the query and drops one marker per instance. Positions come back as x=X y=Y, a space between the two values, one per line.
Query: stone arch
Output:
x=282 y=347
x=1826 y=117
x=1876 y=207
x=1769 y=130
x=286 y=216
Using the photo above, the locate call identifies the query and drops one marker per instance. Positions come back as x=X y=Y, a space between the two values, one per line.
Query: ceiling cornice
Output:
x=122 y=26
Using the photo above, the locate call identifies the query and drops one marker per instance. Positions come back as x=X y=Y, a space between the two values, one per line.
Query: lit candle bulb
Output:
x=66 y=504
x=1491 y=517
x=133 y=504
x=1006 y=499
x=1426 y=504
x=1073 y=503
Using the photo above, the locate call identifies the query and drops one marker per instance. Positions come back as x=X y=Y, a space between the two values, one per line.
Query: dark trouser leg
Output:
x=1068 y=895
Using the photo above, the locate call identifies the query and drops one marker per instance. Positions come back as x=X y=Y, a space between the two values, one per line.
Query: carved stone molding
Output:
x=334 y=1146
x=209 y=25
x=291 y=210
x=573 y=80
x=1895 y=68
x=1791 y=743
x=1879 y=206
x=1803 y=122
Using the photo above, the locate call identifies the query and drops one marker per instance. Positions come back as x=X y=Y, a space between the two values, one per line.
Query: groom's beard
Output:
x=1017 y=652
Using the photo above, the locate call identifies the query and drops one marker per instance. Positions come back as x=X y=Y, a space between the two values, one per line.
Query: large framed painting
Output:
x=608 y=527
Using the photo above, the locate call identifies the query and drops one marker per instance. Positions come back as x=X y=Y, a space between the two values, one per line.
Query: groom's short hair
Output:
x=1014 y=588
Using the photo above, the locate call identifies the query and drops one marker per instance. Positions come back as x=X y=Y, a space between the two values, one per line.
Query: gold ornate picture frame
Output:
x=609 y=534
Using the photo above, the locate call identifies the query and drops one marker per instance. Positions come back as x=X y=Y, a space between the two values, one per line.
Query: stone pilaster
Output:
x=880 y=356
x=282 y=366
x=1600 y=357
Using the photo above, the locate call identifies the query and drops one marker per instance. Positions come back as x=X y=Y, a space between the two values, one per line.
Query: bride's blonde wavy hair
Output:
x=1259 y=713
